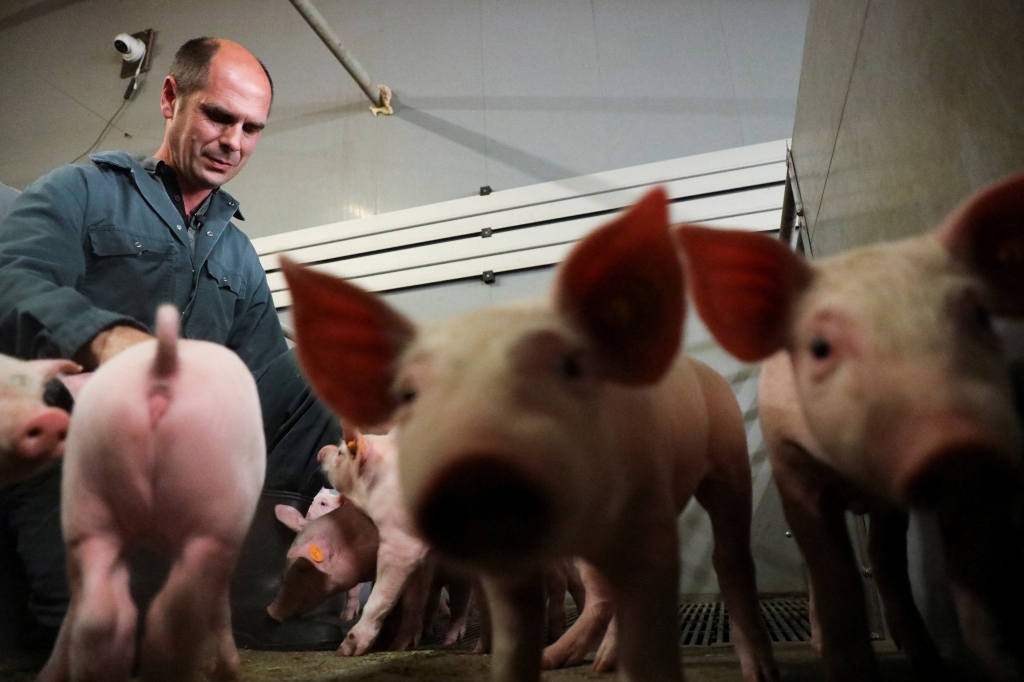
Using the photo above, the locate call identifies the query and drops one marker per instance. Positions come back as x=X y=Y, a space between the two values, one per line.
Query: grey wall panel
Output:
x=544 y=108
x=667 y=85
x=932 y=111
x=759 y=39
x=830 y=50
x=487 y=92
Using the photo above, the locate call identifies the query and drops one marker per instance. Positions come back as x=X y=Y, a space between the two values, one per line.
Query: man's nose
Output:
x=231 y=138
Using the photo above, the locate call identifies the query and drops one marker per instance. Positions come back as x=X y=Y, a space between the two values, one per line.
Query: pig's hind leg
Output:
x=728 y=503
x=97 y=639
x=187 y=610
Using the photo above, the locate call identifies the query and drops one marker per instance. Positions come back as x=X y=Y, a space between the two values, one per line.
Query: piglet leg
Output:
x=979 y=520
x=583 y=635
x=483 y=645
x=186 y=610
x=393 y=571
x=887 y=548
x=97 y=638
x=516 y=608
x=460 y=592
x=814 y=508
x=352 y=604
x=226 y=663
x=556 y=584
x=414 y=602
x=644 y=576
x=727 y=501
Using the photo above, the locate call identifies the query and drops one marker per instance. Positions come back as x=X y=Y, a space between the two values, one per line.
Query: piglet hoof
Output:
x=225 y=669
x=456 y=632
x=607 y=658
x=355 y=644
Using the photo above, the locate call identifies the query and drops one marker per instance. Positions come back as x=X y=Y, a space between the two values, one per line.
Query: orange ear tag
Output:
x=316 y=554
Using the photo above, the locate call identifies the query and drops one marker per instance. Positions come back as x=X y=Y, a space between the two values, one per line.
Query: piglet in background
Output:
x=888 y=390
x=325 y=501
x=334 y=552
x=165 y=451
x=535 y=432
x=364 y=468
x=32 y=426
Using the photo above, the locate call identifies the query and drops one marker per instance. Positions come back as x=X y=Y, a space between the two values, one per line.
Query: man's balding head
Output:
x=191 y=66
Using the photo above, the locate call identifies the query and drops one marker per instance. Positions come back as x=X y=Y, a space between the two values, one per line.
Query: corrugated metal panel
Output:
x=530 y=226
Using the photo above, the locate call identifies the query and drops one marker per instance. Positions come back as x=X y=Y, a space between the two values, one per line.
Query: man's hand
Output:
x=107 y=344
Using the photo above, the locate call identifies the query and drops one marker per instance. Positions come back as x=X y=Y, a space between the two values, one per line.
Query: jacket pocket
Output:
x=106 y=243
x=128 y=273
x=220 y=300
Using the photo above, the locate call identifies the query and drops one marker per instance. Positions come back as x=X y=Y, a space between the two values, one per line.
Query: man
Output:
x=86 y=255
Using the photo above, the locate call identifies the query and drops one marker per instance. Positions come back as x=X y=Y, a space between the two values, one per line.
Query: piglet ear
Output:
x=348 y=343
x=289 y=516
x=986 y=233
x=623 y=286
x=745 y=286
x=51 y=368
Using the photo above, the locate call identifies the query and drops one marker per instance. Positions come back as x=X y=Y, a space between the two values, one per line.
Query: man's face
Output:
x=212 y=132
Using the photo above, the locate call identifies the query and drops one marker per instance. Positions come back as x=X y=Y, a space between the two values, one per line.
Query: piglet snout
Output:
x=964 y=477
x=486 y=510
x=43 y=434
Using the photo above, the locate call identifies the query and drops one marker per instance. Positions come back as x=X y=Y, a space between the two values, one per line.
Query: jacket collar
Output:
x=140 y=167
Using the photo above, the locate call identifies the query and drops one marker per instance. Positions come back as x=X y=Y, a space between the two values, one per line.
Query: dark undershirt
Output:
x=193 y=222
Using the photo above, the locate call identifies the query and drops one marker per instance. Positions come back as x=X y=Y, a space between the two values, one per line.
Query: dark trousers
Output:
x=33 y=582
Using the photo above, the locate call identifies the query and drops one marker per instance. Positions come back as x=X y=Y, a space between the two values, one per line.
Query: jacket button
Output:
x=178 y=226
x=138 y=245
x=209 y=234
x=225 y=280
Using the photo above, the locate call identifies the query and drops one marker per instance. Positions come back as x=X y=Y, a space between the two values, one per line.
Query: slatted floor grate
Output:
x=707 y=623
x=700 y=624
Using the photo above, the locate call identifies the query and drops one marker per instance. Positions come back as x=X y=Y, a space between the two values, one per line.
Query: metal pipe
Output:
x=317 y=22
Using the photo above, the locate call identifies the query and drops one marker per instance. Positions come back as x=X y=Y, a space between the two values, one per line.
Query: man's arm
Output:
x=42 y=260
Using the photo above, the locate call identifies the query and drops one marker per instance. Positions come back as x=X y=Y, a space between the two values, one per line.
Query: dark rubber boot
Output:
x=257 y=580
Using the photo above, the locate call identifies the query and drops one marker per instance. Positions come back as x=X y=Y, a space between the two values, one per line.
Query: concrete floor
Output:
x=701 y=664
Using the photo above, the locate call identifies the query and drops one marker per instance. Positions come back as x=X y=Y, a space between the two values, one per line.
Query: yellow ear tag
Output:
x=316 y=553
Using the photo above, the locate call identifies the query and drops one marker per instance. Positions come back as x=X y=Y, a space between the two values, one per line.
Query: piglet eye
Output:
x=570 y=367
x=820 y=348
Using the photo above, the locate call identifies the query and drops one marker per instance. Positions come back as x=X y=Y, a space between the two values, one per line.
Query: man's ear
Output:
x=745 y=286
x=348 y=343
x=168 y=97
x=986 y=233
x=623 y=287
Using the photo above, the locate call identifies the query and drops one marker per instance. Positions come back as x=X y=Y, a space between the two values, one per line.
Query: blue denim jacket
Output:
x=85 y=248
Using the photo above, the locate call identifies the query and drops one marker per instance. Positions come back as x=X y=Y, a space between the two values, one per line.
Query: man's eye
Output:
x=406 y=395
